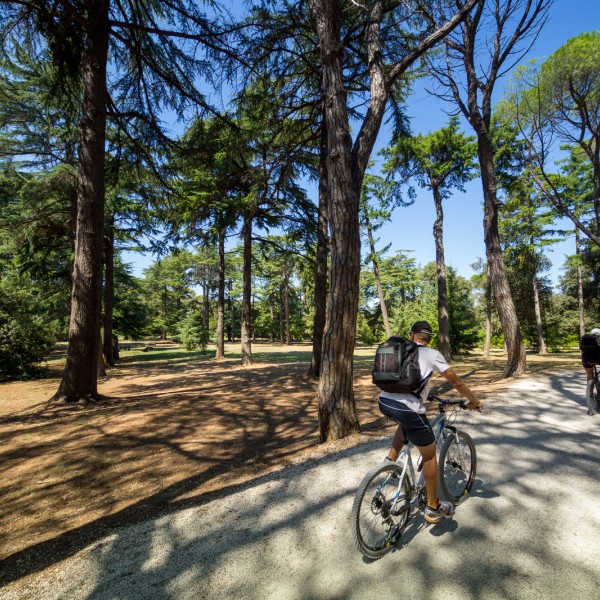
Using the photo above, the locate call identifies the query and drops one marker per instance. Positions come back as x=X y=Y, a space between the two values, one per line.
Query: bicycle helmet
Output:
x=595 y=331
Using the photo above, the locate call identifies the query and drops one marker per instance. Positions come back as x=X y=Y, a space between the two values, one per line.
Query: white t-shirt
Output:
x=430 y=360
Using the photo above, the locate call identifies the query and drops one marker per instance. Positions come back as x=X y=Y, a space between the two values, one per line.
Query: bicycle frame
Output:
x=390 y=493
x=439 y=424
x=592 y=390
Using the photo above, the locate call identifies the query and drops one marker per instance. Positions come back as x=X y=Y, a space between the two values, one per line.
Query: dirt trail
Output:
x=166 y=435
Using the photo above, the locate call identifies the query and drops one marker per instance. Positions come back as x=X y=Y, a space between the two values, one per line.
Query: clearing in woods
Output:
x=173 y=429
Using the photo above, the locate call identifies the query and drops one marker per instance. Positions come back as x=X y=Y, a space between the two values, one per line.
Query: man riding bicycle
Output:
x=590 y=357
x=408 y=411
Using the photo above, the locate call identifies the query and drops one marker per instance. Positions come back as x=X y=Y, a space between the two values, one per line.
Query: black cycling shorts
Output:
x=416 y=427
x=589 y=358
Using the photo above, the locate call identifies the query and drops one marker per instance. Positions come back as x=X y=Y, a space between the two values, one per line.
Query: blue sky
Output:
x=411 y=228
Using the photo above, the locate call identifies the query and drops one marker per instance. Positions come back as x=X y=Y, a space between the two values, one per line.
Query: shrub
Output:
x=192 y=332
x=25 y=337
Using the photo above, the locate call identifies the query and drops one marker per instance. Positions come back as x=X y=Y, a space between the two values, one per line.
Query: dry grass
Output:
x=173 y=429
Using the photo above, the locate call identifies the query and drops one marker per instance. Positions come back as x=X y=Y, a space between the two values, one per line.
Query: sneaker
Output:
x=444 y=511
x=591 y=412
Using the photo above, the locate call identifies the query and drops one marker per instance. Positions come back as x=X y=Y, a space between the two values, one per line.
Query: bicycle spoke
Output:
x=378 y=510
x=457 y=467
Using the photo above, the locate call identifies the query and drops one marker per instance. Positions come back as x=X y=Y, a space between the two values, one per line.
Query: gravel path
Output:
x=531 y=528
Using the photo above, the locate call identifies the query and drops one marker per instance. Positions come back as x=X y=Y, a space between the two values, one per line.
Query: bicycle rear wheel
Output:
x=457 y=466
x=381 y=509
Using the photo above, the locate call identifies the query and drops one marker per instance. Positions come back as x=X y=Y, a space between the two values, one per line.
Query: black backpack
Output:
x=589 y=344
x=396 y=368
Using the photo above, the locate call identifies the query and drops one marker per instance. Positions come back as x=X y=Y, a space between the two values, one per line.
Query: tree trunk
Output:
x=596 y=171
x=272 y=314
x=247 y=293
x=232 y=313
x=488 y=313
x=335 y=393
x=164 y=298
x=346 y=168
x=382 y=304
x=515 y=362
x=101 y=362
x=109 y=294
x=206 y=304
x=80 y=377
x=286 y=302
x=221 y=300
x=579 y=284
x=321 y=259
x=538 y=315
x=442 y=285
x=280 y=311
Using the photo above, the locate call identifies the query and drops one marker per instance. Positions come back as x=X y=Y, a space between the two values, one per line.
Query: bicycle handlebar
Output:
x=445 y=402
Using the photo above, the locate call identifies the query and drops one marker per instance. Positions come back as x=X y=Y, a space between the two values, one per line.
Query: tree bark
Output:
x=205 y=304
x=164 y=299
x=488 y=313
x=335 y=393
x=80 y=377
x=272 y=314
x=286 y=301
x=101 y=362
x=538 y=315
x=220 y=335
x=232 y=313
x=109 y=294
x=280 y=311
x=382 y=304
x=442 y=285
x=346 y=168
x=579 y=284
x=321 y=259
x=246 y=345
x=515 y=362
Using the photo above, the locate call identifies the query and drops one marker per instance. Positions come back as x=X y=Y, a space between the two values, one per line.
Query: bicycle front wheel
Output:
x=595 y=400
x=457 y=467
x=381 y=509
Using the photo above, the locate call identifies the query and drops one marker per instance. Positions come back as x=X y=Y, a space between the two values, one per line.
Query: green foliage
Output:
x=465 y=331
x=364 y=332
x=590 y=272
x=25 y=335
x=412 y=294
x=570 y=81
x=558 y=103
x=167 y=285
x=192 y=333
x=444 y=159
x=130 y=311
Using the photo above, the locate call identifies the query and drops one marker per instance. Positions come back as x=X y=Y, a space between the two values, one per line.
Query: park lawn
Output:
x=173 y=429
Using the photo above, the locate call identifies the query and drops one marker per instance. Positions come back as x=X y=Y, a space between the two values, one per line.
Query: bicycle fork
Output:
x=456 y=459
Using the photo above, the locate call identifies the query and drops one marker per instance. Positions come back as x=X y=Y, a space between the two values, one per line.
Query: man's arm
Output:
x=461 y=387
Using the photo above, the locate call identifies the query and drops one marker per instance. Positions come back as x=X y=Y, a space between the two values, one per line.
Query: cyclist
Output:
x=590 y=356
x=408 y=411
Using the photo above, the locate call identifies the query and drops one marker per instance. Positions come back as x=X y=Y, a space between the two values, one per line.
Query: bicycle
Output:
x=592 y=392
x=389 y=493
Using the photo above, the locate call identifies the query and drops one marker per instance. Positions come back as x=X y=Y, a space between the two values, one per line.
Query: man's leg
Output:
x=589 y=391
x=397 y=444
x=430 y=473
x=435 y=510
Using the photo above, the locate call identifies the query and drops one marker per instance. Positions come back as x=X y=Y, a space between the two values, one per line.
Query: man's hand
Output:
x=473 y=403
